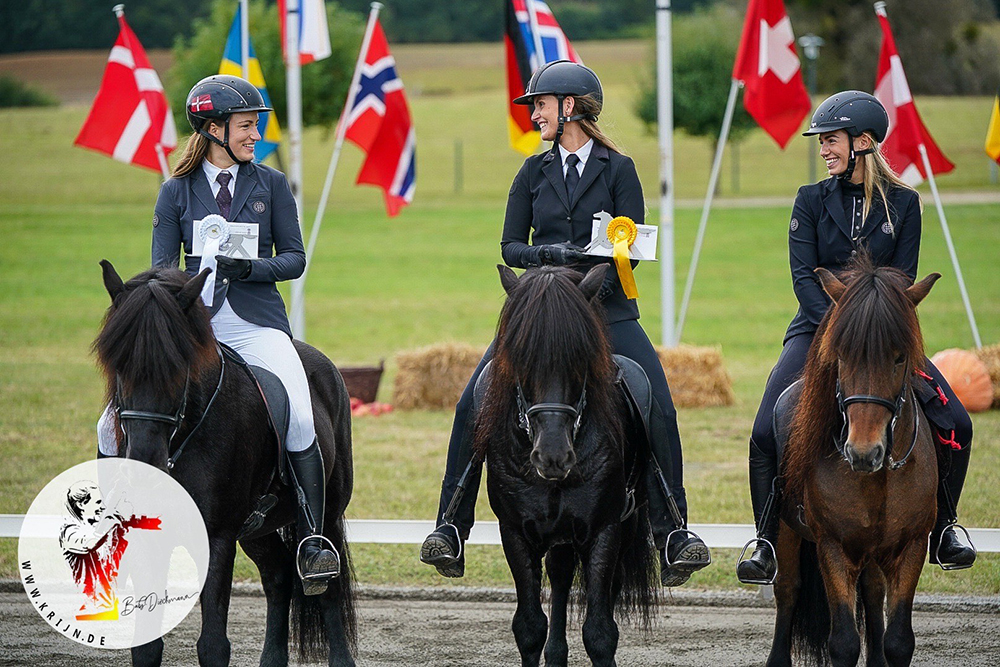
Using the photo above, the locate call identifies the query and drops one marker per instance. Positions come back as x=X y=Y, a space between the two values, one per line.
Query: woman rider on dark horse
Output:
x=863 y=205
x=553 y=200
x=216 y=175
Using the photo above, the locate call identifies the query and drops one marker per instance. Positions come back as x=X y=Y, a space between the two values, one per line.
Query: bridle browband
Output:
x=894 y=407
x=175 y=419
x=525 y=411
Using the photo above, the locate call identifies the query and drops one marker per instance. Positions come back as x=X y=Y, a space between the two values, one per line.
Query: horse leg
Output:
x=148 y=655
x=276 y=571
x=840 y=577
x=213 y=645
x=529 y=624
x=600 y=632
x=873 y=599
x=786 y=594
x=899 y=639
x=338 y=601
x=560 y=563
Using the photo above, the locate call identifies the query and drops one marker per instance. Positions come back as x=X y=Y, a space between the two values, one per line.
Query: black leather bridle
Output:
x=176 y=419
x=526 y=411
x=895 y=408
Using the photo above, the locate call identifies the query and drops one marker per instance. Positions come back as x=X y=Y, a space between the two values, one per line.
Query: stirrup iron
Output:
x=316 y=577
x=755 y=541
x=951 y=566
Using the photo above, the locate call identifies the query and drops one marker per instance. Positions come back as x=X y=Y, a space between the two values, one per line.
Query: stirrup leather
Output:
x=298 y=561
x=739 y=561
x=968 y=538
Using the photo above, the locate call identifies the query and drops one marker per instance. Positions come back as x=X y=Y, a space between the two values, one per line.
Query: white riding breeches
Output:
x=259 y=346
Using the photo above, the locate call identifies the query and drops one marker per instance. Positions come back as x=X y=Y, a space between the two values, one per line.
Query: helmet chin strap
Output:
x=224 y=142
x=562 y=121
x=852 y=160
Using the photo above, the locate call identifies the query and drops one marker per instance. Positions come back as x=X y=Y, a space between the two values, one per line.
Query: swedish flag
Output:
x=232 y=63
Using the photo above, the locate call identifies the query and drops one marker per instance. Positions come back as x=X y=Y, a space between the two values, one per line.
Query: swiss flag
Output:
x=906 y=131
x=130 y=119
x=769 y=69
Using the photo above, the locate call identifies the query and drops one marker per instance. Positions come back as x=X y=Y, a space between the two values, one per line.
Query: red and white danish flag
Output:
x=130 y=119
x=773 y=92
x=906 y=131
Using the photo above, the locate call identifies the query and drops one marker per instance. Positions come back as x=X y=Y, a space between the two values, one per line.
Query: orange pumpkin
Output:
x=968 y=376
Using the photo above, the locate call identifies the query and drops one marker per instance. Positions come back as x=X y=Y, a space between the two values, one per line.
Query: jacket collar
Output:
x=552 y=168
x=833 y=200
x=245 y=183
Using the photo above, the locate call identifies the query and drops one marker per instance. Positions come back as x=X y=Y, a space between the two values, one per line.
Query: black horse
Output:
x=560 y=456
x=202 y=419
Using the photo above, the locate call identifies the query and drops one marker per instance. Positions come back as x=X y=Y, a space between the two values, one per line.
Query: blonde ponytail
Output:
x=879 y=177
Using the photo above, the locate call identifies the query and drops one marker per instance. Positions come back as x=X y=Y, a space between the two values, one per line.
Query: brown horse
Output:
x=860 y=476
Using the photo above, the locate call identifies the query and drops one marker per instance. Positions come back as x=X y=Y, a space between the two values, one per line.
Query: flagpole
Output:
x=713 y=180
x=535 y=34
x=951 y=246
x=293 y=79
x=352 y=92
x=245 y=37
x=665 y=123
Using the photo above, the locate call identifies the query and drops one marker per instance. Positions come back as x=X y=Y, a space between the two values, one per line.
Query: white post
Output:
x=951 y=246
x=245 y=37
x=535 y=35
x=293 y=82
x=341 y=130
x=665 y=123
x=727 y=122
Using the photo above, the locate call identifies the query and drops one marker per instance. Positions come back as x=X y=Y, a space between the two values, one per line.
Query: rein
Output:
x=178 y=417
x=894 y=407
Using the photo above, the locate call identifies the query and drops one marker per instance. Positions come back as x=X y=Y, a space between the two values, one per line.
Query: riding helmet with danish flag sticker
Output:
x=217 y=97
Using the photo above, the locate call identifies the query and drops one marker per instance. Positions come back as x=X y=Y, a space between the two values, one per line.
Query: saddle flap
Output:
x=635 y=385
x=479 y=392
x=784 y=410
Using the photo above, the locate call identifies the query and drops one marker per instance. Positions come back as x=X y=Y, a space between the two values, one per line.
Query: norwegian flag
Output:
x=130 y=119
x=378 y=122
x=523 y=59
x=770 y=71
x=906 y=131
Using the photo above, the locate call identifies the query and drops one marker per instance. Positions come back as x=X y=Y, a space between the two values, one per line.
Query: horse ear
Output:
x=192 y=290
x=591 y=283
x=507 y=278
x=831 y=284
x=918 y=291
x=112 y=281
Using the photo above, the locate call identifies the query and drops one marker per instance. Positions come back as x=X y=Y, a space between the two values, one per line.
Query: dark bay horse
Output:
x=559 y=457
x=860 y=478
x=160 y=359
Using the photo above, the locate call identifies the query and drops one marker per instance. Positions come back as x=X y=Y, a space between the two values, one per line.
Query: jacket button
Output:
x=854 y=253
x=569 y=218
x=225 y=281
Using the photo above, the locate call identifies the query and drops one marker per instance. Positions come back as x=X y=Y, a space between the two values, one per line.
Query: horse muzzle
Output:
x=552 y=466
x=869 y=461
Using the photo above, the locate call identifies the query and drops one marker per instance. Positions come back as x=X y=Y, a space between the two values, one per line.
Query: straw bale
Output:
x=990 y=356
x=433 y=377
x=697 y=376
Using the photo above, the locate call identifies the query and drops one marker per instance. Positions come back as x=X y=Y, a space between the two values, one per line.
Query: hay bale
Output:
x=990 y=356
x=697 y=376
x=432 y=378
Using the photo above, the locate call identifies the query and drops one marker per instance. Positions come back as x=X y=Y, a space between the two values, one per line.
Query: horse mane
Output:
x=548 y=328
x=147 y=338
x=873 y=322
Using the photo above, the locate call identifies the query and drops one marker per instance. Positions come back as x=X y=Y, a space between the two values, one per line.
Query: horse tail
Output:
x=811 y=614
x=308 y=624
x=638 y=571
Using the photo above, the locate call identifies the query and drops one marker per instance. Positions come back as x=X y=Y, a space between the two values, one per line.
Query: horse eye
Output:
x=900 y=359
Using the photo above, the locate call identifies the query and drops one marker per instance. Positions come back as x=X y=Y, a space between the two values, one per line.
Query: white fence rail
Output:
x=372 y=531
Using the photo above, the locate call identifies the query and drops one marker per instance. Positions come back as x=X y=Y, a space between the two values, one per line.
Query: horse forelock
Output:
x=148 y=339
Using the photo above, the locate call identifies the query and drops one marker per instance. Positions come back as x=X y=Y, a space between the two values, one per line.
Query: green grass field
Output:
x=378 y=286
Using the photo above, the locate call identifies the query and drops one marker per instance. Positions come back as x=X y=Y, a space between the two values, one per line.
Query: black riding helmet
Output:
x=854 y=112
x=218 y=97
x=563 y=78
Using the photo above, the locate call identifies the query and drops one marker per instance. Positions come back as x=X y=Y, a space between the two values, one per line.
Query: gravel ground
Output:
x=472 y=627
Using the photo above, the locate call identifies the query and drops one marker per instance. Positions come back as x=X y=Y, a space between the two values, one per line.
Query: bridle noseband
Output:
x=894 y=407
x=525 y=411
x=175 y=419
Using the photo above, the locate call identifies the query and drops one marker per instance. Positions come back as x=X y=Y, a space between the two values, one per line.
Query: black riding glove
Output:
x=560 y=254
x=232 y=268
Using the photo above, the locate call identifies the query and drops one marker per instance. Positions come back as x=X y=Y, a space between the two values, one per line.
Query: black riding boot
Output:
x=946 y=549
x=444 y=548
x=682 y=552
x=317 y=558
x=765 y=495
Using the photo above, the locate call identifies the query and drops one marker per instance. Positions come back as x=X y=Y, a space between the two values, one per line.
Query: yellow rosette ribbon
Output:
x=622 y=233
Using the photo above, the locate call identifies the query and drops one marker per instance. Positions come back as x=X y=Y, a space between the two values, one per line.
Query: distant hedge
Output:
x=15 y=93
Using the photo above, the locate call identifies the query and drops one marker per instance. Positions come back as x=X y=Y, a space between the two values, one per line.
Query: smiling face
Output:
x=546 y=114
x=243 y=135
x=92 y=507
x=835 y=149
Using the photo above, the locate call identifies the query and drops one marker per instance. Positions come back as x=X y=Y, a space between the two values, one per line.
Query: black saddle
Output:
x=784 y=410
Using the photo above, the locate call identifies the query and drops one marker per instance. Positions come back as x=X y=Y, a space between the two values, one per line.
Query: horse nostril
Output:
x=536 y=458
x=878 y=453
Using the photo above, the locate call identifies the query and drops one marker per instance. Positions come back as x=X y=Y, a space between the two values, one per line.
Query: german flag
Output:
x=993 y=133
x=520 y=42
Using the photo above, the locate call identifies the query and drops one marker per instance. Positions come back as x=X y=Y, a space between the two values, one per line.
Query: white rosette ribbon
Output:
x=214 y=231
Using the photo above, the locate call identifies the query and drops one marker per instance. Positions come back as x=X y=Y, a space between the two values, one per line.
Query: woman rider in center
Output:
x=553 y=199
x=863 y=205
